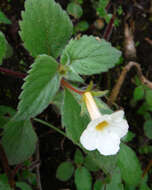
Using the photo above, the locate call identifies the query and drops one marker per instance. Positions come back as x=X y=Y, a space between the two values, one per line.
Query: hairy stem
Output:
x=22 y=75
x=67 y=85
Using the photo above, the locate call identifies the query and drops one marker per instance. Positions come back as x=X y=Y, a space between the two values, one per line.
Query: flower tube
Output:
x=104 y=131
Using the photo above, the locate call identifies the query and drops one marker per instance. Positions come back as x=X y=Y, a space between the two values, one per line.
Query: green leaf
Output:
x=98 y=185
x=106 y=163
x=99 y=93
x=45 y=27
x=6 y=110
x=114 y=187
x=73 y=122
x=3 y=47
x=78 y=157
x=5 y=113
x=4 y=19
x=149 y=97
x=129 y=165
x=103 y=3
x=39 y=88
x=23 y=186
x=58 y=102
x=3 y=178
x=28 y=175
x=143 y=108
x=19 y=141
x=128 y=137
x=108 y=18
x=88 y=56
x=115 y=183
x=145 y=149
x=130 y=187
x=64 y=171
x=75 y=10
x=73 y=76
x=83 y=179
x=147 y=116
x=137 y=81
x=103 y=107
x=81 y=26
x=3 y=121
x=148 y=128
x=80 y=1
x=4 y=186
x=143 y=184
x=90 y=164
x=138 y=93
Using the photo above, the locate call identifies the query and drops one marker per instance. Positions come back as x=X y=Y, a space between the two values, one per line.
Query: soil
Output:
x=53 y=147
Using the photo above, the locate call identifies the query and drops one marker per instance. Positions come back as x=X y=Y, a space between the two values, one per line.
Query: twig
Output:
x=64 y=83
x=16 y=169
x=109 y=28
x=12 y=73
x=147 y=168
x=116 y=89
x=148 y=40
x=38 y=178
x=6 y=167
x=129 y=43
x=108 y=6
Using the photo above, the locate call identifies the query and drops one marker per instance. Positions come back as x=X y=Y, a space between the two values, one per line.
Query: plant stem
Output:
x=147 y=168
x=22 y=75
x=38 y=177
x=109 y=28
x=12 y=73
x=6 y=167
x=66 y=84
x=49 y=125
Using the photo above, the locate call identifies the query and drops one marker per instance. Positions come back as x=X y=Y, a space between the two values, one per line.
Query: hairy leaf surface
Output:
x=88 y=55
x=45 y=27
x=72 y=120
x=19 y=141
x=39 y=88
x=129 y=165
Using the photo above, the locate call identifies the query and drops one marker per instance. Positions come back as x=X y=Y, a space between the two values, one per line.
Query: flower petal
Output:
x=88 y=139
x=109 y=144
x=117 y=115
x=119 y=128
x=91 y=106
x=106 y=140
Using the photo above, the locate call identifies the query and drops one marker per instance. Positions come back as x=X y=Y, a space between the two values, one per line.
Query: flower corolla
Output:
x=104 y=131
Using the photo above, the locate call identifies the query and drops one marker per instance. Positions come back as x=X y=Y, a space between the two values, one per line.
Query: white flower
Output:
x=104 y=131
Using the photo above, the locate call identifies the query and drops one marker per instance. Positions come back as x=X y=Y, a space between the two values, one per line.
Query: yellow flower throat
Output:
x=102 y=125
